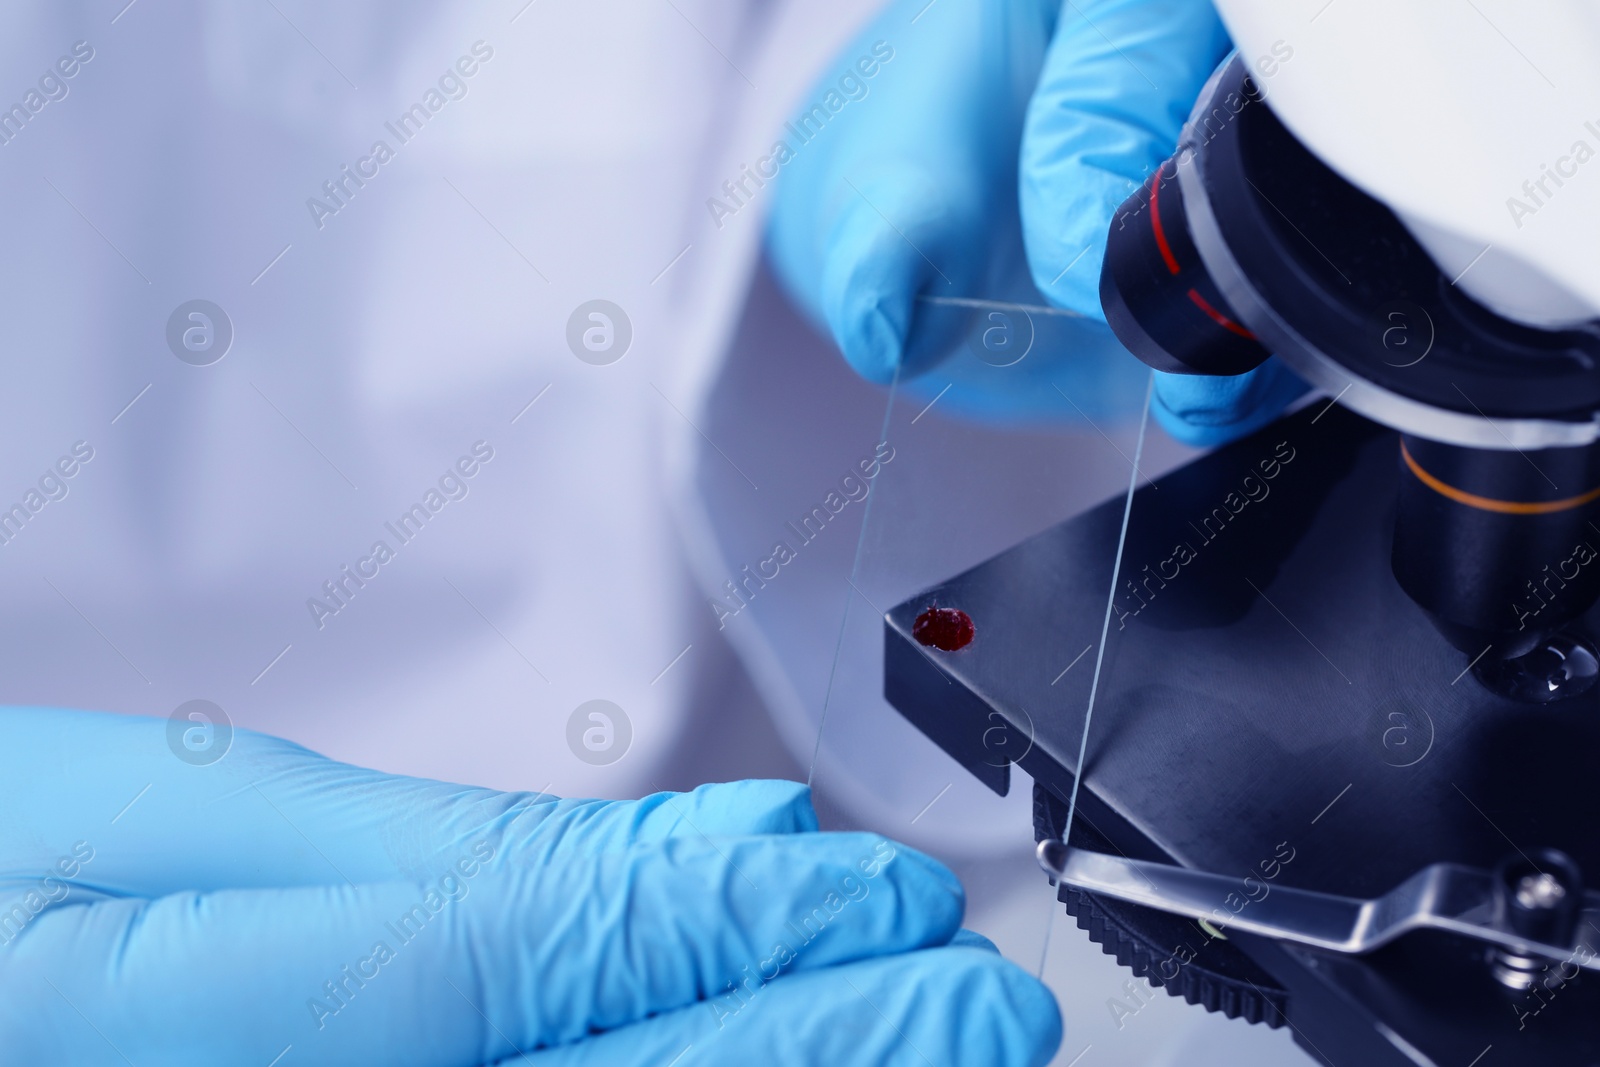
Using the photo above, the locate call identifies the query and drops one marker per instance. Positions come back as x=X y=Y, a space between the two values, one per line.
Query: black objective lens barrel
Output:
x=1158 y=297
x=1500 y=547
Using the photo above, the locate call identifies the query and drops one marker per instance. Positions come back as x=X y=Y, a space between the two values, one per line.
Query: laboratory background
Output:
x=554 y=397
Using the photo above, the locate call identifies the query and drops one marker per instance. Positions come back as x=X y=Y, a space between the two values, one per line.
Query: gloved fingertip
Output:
x=1204 y=411
x=1178 y=427
x=872 y=342
x=754 y=806
x=1036 y=1015
x=937 y=872
x=1006 y=1011
x=972 y=939
x=1065 y=268
x=875 y=271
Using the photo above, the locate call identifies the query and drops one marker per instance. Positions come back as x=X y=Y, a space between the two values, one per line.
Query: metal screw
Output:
x=1540 y=891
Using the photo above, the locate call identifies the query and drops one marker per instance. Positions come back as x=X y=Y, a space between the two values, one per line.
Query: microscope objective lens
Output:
x=1559 y=668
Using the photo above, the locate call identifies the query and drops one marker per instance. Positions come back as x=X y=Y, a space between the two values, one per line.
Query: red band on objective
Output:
x=1218 y=317
x=1155 y=225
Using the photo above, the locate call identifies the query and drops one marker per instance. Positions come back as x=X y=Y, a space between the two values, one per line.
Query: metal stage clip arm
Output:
x=1520 y=907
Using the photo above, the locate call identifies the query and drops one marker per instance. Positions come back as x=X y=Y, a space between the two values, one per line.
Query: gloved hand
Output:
x=276 y=907
x=913 y=190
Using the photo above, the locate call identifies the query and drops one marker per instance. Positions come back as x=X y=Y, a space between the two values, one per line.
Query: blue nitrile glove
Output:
x=275 y=903
x=913 y=189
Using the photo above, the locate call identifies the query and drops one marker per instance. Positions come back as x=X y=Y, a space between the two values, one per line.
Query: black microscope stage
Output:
x=1269 y=691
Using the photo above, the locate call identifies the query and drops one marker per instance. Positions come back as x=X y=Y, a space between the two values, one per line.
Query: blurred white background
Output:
x=374 y=346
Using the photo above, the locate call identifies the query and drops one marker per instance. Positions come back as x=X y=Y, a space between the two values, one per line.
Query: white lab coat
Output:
x=377 y=344
x=380 y=332
x=415 y=320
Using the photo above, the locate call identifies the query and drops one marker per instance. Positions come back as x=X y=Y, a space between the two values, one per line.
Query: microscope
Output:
x=1343 y=766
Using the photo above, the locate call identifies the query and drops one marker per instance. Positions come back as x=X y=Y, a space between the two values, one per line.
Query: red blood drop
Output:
x=943 y=628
